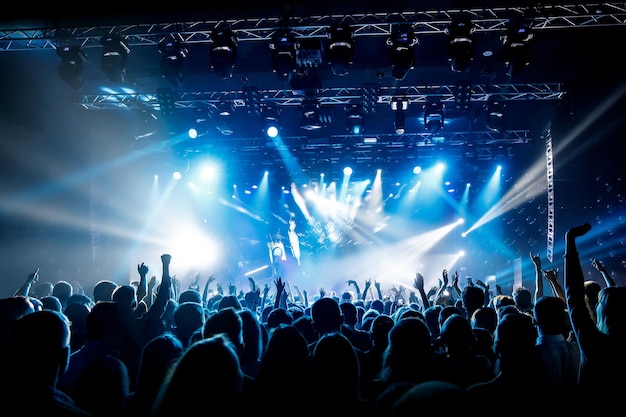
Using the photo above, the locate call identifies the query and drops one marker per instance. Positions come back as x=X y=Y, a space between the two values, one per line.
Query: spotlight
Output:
x=516 y=47
x=460 y=44
x=173 y=53
x=115 y=52
x=311 y=116
x=354 y=118
x=494 y=114
x=402 y=54
x=271 y=119
x=285 y=49
x=434 y=116
x=223 y=53
x=224 y=118
x=399 y=105
x=71 y=66
x=340 y=48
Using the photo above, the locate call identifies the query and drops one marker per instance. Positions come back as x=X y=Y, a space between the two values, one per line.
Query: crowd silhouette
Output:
x=151 y=350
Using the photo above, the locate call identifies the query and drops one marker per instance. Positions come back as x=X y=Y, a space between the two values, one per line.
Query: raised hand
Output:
x=418 y=282
x=280 y=286
x=142 y=269
x=394 y=290
x=253 y=286
x=166 y=258
x=551 y=275
x=455 y=279
x=536 y=260
x=482 y=284
x=33 y=277
x=597 y=265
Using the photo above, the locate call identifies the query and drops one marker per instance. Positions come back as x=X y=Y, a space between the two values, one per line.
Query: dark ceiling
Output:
x=570 y=60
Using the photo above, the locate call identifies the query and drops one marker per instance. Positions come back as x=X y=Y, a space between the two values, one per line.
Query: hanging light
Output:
x=402 y=55
x=173 y=54
x=285 y=49
x=516 y=47
x=340 y=48
x=223 y=53
x=399 y=105
x=114 y=58
x=71 y=66
x=271 y=120
x=434 y=116
x=460 y=45
x=354 y=118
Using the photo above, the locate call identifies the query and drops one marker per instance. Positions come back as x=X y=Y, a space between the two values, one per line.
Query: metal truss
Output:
x=545 y=17
x=551 y=201
x=326 y=96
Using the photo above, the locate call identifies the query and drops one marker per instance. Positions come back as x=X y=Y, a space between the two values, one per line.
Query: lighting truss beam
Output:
x=493 y=19
x=333 y=96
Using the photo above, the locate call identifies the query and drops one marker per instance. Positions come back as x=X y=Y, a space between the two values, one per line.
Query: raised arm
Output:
x=580 y=316
x=378 y=290
x=443 y=285
x=142 y=287
x=608 y=279
x=280 y=289
x=455 y=285
x=418 y=284
x=357 y=290
x=486 y=290
x=205 y=292
x=538 y=276
x=25 y=288
x=367 y=288
x=301 y=297
x=164 y=293
x=551 y=276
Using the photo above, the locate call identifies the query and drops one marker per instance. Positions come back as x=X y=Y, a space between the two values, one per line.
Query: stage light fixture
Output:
x=515 y=52
x=223 y=115
x=399 y=105
x=223 y=52
x=434 y=116
x=285 y=49
x=71 y=66
x=369 y=97
x=401 y=45
x=252 y=100
x=354 y=118
x=494 y=114
x=114 y=58
x=173 y=54
x=463 y=95
x=340 y=48
x=460 y=45
x=271 y=120
x=311 y=118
